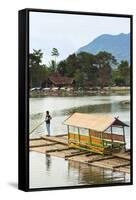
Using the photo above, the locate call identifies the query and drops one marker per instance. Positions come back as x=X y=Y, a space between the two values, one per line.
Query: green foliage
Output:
x=104 y=58
x=35 y=58
x=37 y=75
x=54 y=54
x=104 y=77
x=37 y=71
x=92 y=69
x=86 y=69
x=124 y=71
x=121 y=75
x=71 y=64
x=79 y=78
x=52 y=66
x=95 y=70
x=62 y=68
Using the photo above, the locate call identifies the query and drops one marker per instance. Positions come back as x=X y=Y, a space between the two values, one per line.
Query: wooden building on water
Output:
x=96 y=133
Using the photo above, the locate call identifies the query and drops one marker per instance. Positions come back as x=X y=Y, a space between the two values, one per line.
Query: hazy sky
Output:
x=68 y=32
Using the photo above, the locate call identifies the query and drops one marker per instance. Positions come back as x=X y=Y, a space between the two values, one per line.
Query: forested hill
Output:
x=117 y=45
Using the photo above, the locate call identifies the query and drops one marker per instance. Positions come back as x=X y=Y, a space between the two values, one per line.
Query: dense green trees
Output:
x=87 y=69
x=95 y=70
x=79 y=78
x=37 y=71
x=121 y=75
x=35 y=58
x=105 y=63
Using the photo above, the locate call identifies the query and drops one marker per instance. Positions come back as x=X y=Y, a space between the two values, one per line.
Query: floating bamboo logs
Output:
x=53 y=150
x=101 y=159
x=60 y=140
x=75 y=154
x=43 y=145
x=125 y=155
x=90 y=154
x=62 y=135
x=121 y=165
x=34 y=139
x=58 y=146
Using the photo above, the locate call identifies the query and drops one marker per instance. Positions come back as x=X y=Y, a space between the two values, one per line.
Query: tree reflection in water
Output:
x=95 y=175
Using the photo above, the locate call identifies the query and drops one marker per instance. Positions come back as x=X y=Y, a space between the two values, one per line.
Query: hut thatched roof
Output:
x=56 y=78
x=95 y=122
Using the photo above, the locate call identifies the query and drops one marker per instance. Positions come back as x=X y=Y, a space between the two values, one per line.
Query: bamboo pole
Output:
x=111 y=138
x=36 y=127
x=121 y=165
x=102 y=141
x=124 y=138
x=75 y=154
x=43 y=145
x=68 y=133
x=79 y=136
x=101 y=159
x=57 y=150
x=90 y=137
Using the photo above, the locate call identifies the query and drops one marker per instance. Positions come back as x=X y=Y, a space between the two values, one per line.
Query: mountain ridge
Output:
x=118 y=45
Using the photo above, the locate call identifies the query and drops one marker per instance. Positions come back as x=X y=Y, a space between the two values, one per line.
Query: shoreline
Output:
x=68 y=92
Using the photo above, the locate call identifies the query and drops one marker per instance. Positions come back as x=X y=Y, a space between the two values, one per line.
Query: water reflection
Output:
x=52 y=171
x=48 y=162
x=98 y=108
x=101 y=108
x=94 y=175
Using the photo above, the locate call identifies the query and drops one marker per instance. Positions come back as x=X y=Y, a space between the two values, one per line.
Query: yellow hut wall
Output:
x=91 y=138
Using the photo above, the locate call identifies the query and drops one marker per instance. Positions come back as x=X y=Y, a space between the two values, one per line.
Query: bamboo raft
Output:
x=58 y=146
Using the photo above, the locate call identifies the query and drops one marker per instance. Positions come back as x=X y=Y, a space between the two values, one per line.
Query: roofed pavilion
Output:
x=94 y=132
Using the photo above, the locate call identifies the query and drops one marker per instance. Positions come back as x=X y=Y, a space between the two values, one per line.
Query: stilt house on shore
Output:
x=57 y=80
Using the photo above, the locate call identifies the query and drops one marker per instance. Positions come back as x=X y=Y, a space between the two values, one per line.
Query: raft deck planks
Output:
x=125 y=155
x=58 y=146
x=61 y=139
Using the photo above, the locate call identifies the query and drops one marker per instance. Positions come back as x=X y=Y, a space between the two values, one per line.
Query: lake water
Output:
x=44 y=170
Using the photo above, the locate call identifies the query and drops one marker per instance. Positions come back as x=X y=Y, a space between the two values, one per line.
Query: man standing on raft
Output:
x=47 y=120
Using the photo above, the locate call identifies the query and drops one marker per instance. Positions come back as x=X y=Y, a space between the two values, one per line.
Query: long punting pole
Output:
x=102 y=141
x=79 y=136
x=111 y=137
x=124 y=137
x=68 y=133
x=90 y=136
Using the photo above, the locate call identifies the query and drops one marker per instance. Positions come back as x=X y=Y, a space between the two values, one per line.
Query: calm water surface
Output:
x=51 y=171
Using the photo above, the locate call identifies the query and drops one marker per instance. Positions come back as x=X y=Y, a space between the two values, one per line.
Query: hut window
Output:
x=84 y=131
x=73 y=129
x=115 y=130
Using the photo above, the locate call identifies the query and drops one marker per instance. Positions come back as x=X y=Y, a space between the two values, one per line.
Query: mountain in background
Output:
x=118 y=45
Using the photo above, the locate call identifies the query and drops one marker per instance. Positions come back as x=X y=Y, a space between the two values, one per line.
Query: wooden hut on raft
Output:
x=95 y=133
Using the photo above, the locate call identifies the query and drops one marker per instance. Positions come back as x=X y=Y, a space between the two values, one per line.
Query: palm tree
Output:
x=55 y=54
x=35 y=58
